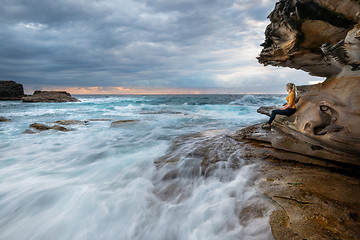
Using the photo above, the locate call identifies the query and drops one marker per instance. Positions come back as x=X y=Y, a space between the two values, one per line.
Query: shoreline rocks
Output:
x=50 y=96
x=10 y=90
x=39 y=127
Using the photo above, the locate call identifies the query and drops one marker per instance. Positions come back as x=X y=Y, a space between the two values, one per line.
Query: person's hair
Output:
x=291 y=86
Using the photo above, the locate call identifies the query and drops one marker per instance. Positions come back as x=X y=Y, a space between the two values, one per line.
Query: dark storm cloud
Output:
x=149 y=43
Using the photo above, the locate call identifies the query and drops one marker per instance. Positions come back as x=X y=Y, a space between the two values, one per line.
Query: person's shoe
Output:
x=266 y=126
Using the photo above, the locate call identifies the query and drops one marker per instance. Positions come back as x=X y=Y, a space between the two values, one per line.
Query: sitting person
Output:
x=288 y=110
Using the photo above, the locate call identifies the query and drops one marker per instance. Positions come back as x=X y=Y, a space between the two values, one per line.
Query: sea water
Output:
x=101 y=182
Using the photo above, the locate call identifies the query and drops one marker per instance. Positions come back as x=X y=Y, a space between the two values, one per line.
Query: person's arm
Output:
x=291 y=101
x=286 y=106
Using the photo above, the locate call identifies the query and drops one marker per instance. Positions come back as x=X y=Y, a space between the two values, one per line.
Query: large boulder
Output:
x=50 y=96
x=10 y=90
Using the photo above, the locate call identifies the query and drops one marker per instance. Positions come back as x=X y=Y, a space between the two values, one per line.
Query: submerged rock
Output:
x=122 y=122
x=99 y=120
x=39 y=126
x=10 y=90
x=50 y=96
x=2 y=119
x=42 y=127
x=60 y=128
x=70 y=122
x=28 y=131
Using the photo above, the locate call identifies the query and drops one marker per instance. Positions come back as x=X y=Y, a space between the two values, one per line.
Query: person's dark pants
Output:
x=287 y=112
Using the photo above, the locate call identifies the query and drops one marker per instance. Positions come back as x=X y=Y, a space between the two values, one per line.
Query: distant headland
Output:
x=11 y=90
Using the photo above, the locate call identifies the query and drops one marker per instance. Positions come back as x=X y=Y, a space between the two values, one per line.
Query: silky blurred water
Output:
x=99 y=182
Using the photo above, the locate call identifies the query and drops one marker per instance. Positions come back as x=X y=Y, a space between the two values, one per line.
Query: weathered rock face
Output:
x=321 y=37
x=50 y=96
x=10 y=90
x=317 y=36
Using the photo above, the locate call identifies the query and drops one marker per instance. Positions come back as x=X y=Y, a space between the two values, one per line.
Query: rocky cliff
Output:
x=319 y=146
x=321 y=37
x=10 y=90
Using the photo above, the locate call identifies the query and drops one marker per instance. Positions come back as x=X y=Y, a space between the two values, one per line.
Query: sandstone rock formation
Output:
x=321 y=37
x=317 y=36
x=50 y=96
x=10 y=90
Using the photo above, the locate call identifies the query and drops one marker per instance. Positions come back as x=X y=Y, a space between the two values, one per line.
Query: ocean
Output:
x=103 y=182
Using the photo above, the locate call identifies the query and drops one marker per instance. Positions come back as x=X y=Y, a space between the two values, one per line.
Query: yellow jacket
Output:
x=291 y=99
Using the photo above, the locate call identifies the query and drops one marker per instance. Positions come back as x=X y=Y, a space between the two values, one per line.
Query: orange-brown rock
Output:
x=317 y=149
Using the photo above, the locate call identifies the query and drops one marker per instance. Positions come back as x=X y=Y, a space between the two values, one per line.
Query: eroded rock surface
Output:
x=10 y=90
x=318 y=147
x=50 y=96
x=317 y=36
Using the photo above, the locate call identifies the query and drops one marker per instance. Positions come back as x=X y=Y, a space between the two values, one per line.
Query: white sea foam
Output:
x=99 y=182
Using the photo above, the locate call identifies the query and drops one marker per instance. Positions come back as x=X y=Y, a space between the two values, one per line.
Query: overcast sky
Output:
x=139 y=46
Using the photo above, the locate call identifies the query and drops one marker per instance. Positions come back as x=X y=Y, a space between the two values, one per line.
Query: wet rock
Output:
x=39 y=126
x=70 y=122
x=123 y=122
x=50 y=96
x=161 y=112
x=99 y=120
x=205 y=154
x=10 y=90
x=2 y=119
x=43 y=127
x=60 y=128
x=307 y=181
x=28 y=131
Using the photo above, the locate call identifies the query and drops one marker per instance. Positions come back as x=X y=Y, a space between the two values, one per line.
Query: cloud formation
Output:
x=145 y=44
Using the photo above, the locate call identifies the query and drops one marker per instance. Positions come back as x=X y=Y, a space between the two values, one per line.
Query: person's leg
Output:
x=287 y=112
x=273 y=115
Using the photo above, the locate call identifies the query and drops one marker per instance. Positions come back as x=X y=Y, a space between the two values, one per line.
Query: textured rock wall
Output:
x=322 y=139
x=321 y=37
